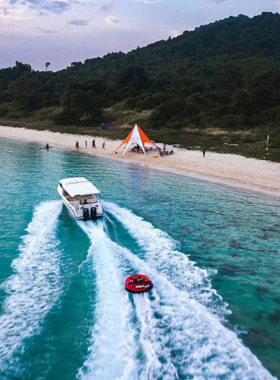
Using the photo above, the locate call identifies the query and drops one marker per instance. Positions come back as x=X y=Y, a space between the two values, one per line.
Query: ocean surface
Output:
x=211 y=250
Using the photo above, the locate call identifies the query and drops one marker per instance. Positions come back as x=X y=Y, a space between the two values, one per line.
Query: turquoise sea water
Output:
x=212 y=252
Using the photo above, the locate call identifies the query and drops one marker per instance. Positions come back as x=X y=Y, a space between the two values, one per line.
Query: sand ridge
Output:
x=224 y=168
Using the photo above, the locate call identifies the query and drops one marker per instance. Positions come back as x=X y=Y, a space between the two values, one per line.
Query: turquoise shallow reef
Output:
x=212 y=252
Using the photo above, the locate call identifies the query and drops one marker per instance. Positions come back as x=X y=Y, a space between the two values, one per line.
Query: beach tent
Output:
x=136 y=136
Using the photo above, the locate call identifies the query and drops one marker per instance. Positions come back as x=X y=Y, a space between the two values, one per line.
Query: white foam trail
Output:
x=179 y=335
x=154 y=340
x=34 y=287
x=161 y=251
x=112 y=354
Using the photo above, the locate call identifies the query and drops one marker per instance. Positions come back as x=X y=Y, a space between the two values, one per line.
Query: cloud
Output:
x=148 y=1
x=45 y=31
x=175 y=33
x=215 y=1
x=51 y=6
x=107 y=7
x=12 y=9
x=78 y=22
x=112 y=20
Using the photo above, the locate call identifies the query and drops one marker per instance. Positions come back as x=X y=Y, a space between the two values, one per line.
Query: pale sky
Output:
x=65 y=31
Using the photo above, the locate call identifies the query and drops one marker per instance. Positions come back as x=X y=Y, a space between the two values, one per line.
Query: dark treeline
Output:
x=225 y=75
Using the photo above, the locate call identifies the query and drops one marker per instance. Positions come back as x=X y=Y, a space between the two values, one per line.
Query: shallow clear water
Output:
x=212 y=252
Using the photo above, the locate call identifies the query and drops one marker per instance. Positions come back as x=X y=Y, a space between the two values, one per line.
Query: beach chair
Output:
x=171 y=152
x=167 y=153
x=161 y=153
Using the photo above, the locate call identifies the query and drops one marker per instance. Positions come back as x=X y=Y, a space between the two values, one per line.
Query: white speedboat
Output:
x=81 y=198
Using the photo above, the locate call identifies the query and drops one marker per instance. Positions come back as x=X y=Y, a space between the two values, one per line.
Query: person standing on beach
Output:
x=203 y=152
x=77 y=144
x=93 y=144
x=86 y=144
x=103 y=145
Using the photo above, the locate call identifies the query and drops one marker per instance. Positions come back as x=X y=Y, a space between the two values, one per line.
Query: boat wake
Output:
x=169 y=332
x=112 y=346
x=33 y=288
x=162 y=252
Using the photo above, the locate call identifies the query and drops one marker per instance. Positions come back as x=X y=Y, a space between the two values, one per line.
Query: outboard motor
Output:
x=93 y=213
x=86 y=214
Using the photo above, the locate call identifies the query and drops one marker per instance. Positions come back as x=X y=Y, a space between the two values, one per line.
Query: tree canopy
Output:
x=223 y=74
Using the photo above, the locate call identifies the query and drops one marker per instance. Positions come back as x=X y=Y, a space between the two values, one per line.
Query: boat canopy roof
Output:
x=78 y=186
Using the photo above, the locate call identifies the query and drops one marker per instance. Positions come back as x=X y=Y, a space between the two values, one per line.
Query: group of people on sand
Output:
x=137 y=148
x=93 y=144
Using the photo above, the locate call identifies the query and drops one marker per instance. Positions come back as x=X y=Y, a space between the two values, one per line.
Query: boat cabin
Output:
x=81 y=197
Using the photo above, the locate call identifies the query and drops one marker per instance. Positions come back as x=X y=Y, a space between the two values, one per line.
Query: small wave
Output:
x=34 y=287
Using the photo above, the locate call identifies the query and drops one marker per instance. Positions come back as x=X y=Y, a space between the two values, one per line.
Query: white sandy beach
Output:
x=225 y=168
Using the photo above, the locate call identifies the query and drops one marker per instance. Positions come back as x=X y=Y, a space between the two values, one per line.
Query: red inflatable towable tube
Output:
x=138 y=283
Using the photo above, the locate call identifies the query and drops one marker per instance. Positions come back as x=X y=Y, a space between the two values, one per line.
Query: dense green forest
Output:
x=217 y=84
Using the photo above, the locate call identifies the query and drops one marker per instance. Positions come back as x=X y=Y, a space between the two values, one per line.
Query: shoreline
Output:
x=228 y=169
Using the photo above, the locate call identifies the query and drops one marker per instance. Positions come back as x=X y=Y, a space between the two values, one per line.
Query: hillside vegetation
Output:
x=217 y=86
